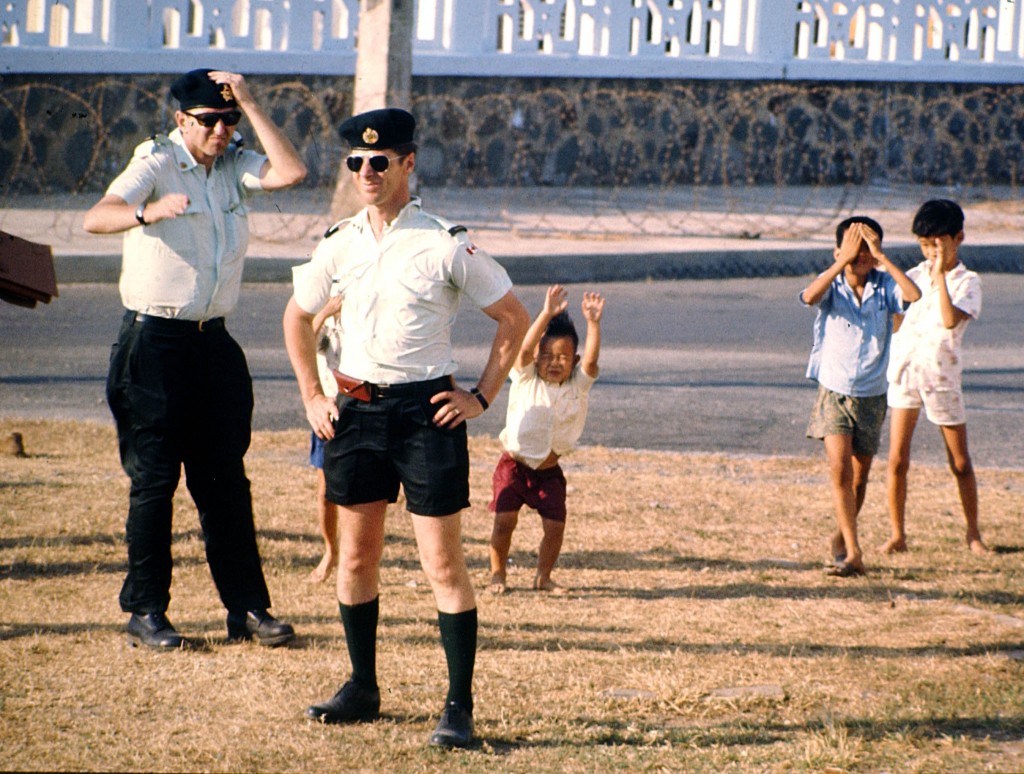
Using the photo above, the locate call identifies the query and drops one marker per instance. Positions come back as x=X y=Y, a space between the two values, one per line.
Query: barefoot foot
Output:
x=548 y=585
x=977 y=547
x=894 y=546
x=838 y=547
x=323 y=570
x=497 y=584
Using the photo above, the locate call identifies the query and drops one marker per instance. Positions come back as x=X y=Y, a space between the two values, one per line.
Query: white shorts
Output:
x=942 y=407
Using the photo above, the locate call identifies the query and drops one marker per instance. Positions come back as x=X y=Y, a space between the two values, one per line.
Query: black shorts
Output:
x=391 y=441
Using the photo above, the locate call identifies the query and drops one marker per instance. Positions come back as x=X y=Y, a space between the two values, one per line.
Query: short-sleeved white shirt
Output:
x=543 y=417
x=400 y=295
x=925 y=354
x=188 y=267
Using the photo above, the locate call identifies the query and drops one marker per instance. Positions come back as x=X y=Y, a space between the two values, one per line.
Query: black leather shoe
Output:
x=352 y=704
x=259 y=624
x=154 y=631
x=455 y=728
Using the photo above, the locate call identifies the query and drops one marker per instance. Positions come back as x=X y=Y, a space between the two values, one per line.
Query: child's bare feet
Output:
x=548 y=585
x=323 y=570
x=497 y=584
x=978 y=548
x=896 y=545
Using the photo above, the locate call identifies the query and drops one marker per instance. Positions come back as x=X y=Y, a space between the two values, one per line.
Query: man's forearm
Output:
x=513 y=322
x=503 y=354
x=300 y=343
x=286 y=168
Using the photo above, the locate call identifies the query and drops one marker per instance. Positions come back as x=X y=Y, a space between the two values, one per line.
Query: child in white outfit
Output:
x=925 y=365
x=547 y=409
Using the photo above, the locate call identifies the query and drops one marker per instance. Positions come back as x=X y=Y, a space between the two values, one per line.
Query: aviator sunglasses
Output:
x=379 y=164
x=209 y=120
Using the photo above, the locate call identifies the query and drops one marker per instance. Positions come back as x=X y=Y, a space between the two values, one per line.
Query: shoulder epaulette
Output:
x=152 y=145
x=336 y=227
x=453 y=229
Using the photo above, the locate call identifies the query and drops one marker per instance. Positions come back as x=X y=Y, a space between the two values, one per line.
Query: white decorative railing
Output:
x=923 y=40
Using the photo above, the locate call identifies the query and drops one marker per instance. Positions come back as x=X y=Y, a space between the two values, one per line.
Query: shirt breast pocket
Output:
x=180 y=234
x=236 y=224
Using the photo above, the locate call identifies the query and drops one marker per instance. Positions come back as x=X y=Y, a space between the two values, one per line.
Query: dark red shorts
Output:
x=515 y=485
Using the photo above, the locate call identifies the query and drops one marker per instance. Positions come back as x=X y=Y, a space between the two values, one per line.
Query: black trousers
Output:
x=181 y=396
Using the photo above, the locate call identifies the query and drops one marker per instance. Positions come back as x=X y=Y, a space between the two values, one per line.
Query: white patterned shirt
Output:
x=925 y=354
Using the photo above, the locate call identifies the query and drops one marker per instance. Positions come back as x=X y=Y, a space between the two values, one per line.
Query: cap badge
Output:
x=370 y=135
x=226 y=94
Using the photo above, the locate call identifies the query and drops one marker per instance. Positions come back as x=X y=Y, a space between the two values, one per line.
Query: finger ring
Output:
x=455 y=411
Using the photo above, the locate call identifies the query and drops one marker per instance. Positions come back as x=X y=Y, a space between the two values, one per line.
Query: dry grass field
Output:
x=700 y=634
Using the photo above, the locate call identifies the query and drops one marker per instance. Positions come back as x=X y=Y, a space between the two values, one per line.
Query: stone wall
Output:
x=74 y=133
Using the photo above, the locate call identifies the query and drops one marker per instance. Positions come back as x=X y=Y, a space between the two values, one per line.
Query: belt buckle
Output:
x=201 y=324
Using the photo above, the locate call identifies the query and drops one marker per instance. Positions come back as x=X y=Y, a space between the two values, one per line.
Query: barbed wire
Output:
x=613 y=159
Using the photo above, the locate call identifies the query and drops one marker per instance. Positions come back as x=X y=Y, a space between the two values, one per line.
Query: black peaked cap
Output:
x=378 y=129
x=195 y=89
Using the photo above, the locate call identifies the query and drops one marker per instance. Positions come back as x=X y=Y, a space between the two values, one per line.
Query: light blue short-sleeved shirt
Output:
x=188 y=267
x=852 y=337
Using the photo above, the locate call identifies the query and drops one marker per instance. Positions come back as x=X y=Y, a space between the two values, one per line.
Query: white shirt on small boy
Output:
x=543 y=417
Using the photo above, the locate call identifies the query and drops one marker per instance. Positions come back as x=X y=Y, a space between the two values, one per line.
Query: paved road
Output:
x=712 y=365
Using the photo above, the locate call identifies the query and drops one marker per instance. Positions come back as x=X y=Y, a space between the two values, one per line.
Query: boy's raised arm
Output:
x=331 y=308
x=555 y=302
x=944 y=261
x=593 y=309
x=844 y=255
x=911 y=292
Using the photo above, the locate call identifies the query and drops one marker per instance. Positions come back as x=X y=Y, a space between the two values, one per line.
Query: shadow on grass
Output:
x=787 y=649
x=856 y=589
x=62 y=541
x=1007 y=549
x=630 y=732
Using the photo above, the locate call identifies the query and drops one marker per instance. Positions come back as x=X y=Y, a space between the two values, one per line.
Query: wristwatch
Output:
x=475 y=392
x=138 y=214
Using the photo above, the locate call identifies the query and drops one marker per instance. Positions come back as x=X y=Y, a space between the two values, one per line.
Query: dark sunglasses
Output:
x=209 y=120
x=378 y=164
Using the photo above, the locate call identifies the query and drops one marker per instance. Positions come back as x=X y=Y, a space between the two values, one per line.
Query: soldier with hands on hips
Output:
x=400 y=419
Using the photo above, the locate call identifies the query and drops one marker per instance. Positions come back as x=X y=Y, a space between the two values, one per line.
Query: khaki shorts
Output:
x=837 y=414
x=942 y=407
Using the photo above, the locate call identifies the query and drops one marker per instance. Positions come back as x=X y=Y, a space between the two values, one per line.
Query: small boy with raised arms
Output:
x=925 y=368
x=857 y=303
x=547 y=409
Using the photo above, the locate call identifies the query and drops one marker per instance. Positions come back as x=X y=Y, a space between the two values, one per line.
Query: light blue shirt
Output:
x=851 y=337
x=190 y=266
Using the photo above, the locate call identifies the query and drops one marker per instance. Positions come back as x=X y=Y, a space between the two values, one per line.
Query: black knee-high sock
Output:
x=458 y=638
x=360 y=622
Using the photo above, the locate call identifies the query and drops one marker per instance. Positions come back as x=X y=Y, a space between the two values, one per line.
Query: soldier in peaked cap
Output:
x=402 y=421
x=179 y=386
